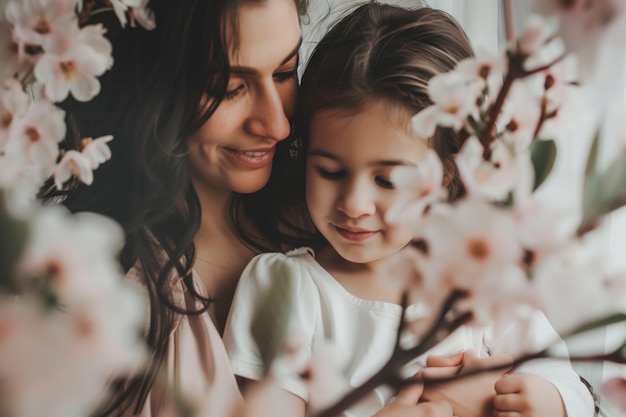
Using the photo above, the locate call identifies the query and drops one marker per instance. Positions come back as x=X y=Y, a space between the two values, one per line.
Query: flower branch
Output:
x=401 y=356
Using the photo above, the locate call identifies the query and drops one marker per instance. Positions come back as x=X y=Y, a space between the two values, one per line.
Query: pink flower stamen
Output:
x=32 y=134
x=478 y=249
x=484 y=71
x=85 y=327
x=69 y=69
x=43 y=25
x=84 y=142
x=54 y=270
x=6 y=120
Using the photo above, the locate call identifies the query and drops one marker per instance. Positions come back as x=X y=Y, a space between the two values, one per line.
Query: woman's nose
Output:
x=268 y=119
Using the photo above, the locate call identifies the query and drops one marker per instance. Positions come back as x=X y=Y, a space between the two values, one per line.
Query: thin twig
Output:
x=516 y=71
x=403 y=303
x=509 y=24
x=526 y=73
x=614 y=357
x=431 y=339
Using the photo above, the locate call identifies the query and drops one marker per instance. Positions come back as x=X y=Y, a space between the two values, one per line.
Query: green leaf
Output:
x=614 y=179
x=595 y=324
x=13 y=238
x=592 y=158
x=604 y=192
x=271 y=321
x=542 y=155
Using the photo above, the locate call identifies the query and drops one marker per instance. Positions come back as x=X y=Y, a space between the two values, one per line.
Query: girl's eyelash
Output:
x=330 y=175
x=384 y=183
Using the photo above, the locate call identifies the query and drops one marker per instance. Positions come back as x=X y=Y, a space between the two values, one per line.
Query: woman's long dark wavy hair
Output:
x=151 y=101
x=378 y=52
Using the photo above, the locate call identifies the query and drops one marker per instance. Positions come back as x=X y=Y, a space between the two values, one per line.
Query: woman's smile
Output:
x=257 y=158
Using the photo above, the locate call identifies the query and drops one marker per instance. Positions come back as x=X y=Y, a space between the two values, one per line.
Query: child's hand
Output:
x=469 y=397
x=405 y=405
x=527 y=395
x=443 y=366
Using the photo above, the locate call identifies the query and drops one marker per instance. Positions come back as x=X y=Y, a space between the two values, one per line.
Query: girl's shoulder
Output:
x=300 y=256
x=298 y=264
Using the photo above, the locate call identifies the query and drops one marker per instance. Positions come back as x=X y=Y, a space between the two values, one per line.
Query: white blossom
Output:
x=77 y=68
x=564 y=283
x=42 y=23
x=90 y=331
x=421 y=186
x=36 y=135
x=491 y=179
x=454 y=96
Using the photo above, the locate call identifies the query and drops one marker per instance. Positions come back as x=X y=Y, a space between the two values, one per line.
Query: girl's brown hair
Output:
x=384 y=52
x=380 y=52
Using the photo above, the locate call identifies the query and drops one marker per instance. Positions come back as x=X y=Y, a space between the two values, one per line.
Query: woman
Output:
x=197 y=108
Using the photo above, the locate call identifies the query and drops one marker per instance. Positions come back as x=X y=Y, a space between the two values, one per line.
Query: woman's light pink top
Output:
x=196 y=364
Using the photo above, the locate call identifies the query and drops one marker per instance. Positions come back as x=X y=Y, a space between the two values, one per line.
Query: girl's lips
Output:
x=355 y=235
x=251 y=159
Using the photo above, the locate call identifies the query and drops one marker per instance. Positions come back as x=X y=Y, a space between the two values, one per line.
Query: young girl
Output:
x=365 y=80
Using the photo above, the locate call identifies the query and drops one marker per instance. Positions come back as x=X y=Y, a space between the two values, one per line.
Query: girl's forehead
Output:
x=373 y=133
x=375 y=115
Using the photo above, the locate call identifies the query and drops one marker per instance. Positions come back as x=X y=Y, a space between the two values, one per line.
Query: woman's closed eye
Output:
x=231 y=94
x=283 y=76
x=331 y=175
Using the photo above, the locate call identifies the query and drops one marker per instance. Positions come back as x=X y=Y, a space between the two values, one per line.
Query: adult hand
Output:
x=469 y=397
x=527 y=395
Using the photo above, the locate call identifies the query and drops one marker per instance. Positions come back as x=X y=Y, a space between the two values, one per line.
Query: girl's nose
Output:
x=356 y=201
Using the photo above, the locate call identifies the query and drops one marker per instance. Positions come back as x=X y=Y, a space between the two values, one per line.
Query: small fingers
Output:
x=509 y=384
x=410 y=395
x=438 y=361
x=435 y=409
x=506 y=414
x=440 y=372
x=473 y=361
x=508 y=402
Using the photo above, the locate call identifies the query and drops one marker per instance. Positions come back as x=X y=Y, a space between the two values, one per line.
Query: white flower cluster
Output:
x=76 y=322
x=69 y=321
x=500 y=244
x=43 y=45
x=499 y=234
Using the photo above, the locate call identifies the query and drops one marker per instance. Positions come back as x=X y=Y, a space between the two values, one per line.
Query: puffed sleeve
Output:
x=533 y=334
x=256 y=278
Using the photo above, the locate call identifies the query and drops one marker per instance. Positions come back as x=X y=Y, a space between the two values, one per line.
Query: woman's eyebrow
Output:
x=293 y=53
x=240 y=70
